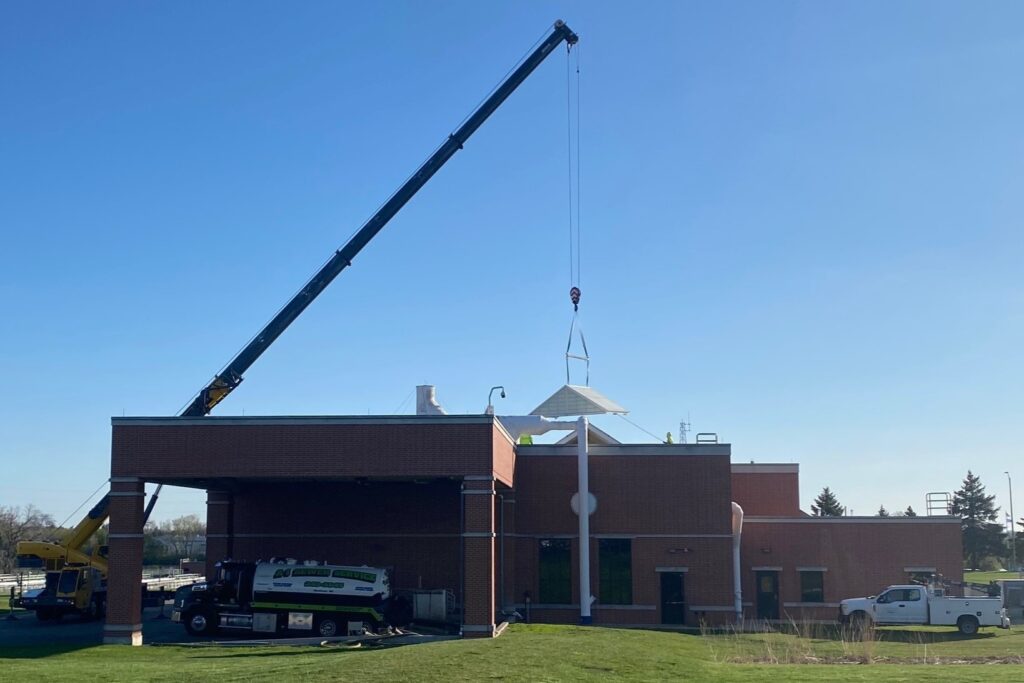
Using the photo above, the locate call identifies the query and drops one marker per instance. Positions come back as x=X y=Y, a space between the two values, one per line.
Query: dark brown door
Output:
x=673 y=598
x=767 y=595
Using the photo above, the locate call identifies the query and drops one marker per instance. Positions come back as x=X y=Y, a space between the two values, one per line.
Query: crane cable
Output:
x=575 y=230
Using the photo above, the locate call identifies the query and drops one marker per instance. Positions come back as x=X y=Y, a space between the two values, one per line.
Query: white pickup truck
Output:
x=913 y=604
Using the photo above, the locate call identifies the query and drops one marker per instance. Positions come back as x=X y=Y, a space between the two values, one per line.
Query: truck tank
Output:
x=319 y=584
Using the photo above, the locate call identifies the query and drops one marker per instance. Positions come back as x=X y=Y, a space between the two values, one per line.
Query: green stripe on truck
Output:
x=317 y=608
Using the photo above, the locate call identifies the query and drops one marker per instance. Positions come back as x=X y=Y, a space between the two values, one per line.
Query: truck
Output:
x=76 y=581
x=284 y=595
x=921 y=605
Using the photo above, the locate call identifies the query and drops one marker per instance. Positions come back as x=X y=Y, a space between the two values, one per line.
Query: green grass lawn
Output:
x=552 y=653
x=985 y=577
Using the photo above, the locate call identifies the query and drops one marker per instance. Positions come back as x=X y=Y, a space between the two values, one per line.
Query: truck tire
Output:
x=199 y=622
x=327 y=627
x=967 y=625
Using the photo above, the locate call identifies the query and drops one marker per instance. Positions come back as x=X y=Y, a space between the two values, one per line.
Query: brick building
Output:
x=452 y=502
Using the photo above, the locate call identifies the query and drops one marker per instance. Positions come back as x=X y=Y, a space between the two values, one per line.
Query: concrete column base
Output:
x=122 y=635
x=478 y=631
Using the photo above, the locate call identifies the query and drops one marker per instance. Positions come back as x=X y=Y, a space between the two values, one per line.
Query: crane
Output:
x=228 y=379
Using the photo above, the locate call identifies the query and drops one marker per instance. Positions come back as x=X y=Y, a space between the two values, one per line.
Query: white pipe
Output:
x=737 y=584
x=583 y=486
x=517 y=425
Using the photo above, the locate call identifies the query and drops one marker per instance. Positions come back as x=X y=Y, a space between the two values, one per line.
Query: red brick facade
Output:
x=450 y=502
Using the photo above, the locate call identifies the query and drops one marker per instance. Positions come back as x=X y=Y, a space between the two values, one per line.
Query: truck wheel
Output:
x=199 y=622
x=327 y=627
x=967 y=625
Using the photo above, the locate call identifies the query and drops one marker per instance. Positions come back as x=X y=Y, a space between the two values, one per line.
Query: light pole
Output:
x=1013 y=522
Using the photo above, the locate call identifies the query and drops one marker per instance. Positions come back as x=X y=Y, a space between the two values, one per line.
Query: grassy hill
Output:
x=557 y=653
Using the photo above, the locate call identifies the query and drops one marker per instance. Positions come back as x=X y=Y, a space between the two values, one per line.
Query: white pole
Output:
x=1013 y=523
x=583 y=488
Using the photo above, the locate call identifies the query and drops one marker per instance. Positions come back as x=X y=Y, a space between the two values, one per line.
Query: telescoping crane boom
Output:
x=231 y=376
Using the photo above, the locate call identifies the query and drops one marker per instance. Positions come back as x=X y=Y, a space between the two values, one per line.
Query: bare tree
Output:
x=18 y=524
x=183 y=534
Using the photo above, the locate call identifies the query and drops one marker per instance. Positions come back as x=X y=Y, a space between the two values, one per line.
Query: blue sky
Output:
x=801 y=225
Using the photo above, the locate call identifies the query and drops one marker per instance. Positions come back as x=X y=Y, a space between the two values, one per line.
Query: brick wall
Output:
x=860 y=556
x=765 y=491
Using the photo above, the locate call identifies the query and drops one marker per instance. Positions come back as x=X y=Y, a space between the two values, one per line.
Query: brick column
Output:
x=478 y=588
x=218 y=528
x=124 y=574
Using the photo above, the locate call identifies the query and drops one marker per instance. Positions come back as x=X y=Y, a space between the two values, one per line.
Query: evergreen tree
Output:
x=977 y=513
x=827 y=505
x=882 y=512
x=909 y=512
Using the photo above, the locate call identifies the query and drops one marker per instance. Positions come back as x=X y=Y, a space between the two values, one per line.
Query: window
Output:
x=615 y=557
x=812 y=586
x=555 y=571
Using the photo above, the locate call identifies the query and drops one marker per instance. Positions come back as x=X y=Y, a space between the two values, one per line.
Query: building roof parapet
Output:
x=625 y=449
x=808 y=519
x=765 y=468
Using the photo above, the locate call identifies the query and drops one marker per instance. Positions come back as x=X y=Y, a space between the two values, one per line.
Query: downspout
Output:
x=501 y=551
x=583 y=486
x=737 y=584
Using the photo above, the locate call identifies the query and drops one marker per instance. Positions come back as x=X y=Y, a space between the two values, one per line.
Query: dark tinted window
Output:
x=68 y=581
x=615 y=558
x=812 y=586
x=555 y=571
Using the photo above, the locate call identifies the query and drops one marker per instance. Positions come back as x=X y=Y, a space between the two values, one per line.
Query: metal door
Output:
x=767 y=594
x=673 y=598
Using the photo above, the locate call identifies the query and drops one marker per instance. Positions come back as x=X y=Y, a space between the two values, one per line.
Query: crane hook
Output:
x=574 y=296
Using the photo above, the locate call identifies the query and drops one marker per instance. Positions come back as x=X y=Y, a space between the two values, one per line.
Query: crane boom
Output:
x=231 y=376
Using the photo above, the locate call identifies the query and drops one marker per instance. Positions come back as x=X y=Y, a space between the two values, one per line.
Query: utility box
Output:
x=1013 y=599
x=433 y=605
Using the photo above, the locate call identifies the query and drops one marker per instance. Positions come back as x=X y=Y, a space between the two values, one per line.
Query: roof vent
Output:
x=426 y=401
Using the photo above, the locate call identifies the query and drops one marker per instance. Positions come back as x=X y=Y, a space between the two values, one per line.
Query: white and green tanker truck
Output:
x=289 y=595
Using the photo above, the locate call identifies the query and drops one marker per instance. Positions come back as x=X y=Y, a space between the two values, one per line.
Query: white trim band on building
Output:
x=479 y=534
x=712 y=608
x=673 y=570
x=478 y=628
x=833 y=605
x=766 y=569
x=126 y=535
x=812 y=569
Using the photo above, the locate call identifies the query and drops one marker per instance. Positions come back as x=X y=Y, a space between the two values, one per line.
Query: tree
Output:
x=977 y=512
x=184 y=534
x=909 y=512
x=882 y=512
x=827 y=505
x=17 y=524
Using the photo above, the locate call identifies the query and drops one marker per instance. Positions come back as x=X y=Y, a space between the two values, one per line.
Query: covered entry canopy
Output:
x=197 y=452
x=413 y=493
